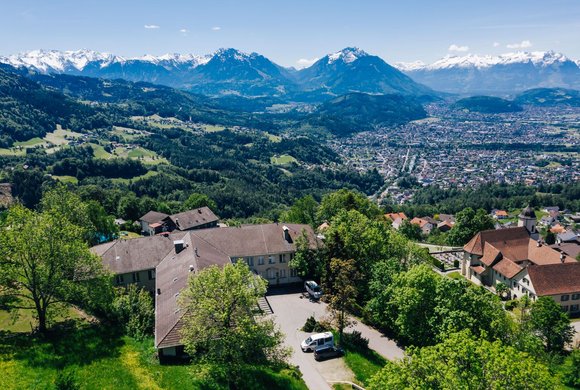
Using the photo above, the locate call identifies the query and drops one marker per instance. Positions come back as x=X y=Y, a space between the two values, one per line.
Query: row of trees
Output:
x=432 y=200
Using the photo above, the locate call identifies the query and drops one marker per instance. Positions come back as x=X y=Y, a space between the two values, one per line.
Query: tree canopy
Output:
x=464 y=362
x=45 y=261
x=222 y=325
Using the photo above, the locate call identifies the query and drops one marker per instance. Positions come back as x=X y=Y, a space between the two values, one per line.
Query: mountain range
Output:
x=506 y=74
x=232 y=72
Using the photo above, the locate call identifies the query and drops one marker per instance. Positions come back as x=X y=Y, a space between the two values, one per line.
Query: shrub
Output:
x=355 y=340
x=437 y=263
x=510 y=305
x=133 y=308
x=311 y=325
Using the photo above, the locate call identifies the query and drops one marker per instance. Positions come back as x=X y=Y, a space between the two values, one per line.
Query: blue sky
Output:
x=288 y=31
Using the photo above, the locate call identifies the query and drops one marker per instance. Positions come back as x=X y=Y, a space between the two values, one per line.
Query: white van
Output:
x=316 y=341
x=313 y=289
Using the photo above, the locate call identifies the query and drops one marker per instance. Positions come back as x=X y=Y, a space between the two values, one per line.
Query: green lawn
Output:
x=274 y=138
x=99 y=357
x=12 y=152
x=100 y=152
x=455 y=275
x=127 y=181
x=283 y=159
x=66 y=179
x=61 y=136
x=212 y=128
x=30 y=143
x=364 y=363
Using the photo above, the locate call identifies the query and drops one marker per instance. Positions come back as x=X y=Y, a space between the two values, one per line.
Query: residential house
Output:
x=446 y=218
x=162 y=264
x=500 y=214
x=425 y=223
x=396 y=219
x=567 y=236
x=444 y=226
x=511 y=256
x=558 y=229
x=155 y=222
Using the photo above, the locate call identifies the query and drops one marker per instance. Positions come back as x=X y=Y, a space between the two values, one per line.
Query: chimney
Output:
x=191 y=268
x=562 y=257
x=179 y=245
x=158 y=291
x=199 y=211
x=177 y=222
x=287 y=234
x=195 y=250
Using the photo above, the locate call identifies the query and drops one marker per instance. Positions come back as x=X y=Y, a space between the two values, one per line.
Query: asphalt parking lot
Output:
x=290 y=313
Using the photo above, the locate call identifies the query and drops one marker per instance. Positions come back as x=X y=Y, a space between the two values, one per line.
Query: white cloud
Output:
x=151 y=26
x=496 y=44
x=522 y=45
x=455 y=47
x=305 y=63
x=184 y=31
x=216 y=28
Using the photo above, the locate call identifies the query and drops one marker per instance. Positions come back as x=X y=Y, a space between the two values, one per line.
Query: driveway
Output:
x=291 y=311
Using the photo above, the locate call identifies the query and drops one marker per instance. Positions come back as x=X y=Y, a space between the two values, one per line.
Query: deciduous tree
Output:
x=344 y=278
x=551 y=323
x=464 y=362
x=221 y=322
x=467 y=224
x=197 y=200
x=45 y=261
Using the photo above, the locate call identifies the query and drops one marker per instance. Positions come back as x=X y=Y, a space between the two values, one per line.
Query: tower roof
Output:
x=528 y=212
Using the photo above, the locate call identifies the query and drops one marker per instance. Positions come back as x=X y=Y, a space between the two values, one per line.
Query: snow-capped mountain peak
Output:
x=537 y=58
x=54 y=60
x=224 y=54
x=347 y=55
x=410 y=66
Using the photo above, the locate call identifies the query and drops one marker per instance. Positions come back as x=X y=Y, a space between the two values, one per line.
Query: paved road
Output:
x=291 y=312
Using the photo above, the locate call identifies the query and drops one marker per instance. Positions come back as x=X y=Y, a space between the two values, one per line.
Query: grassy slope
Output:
x=100 y=358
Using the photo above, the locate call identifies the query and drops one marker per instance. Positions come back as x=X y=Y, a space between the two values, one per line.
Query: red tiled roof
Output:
x=495 y=237
x=563 y=278
x=394 y=216
x=490 y=254
x=477 y=269
x=507 y=268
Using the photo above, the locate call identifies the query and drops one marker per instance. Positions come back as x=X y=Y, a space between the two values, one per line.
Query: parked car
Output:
x=317 y=340
x=313 y=289
x=327 y=352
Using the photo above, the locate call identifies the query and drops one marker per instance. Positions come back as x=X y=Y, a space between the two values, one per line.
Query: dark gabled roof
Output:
x=171 y=277
x=193 y=218
x=555 y=279
x=137 y=254
x=153 y=216
x=207 y=247
x=253 y=240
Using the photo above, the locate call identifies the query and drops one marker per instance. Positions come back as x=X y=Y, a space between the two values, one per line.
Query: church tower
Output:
x=527 y=219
